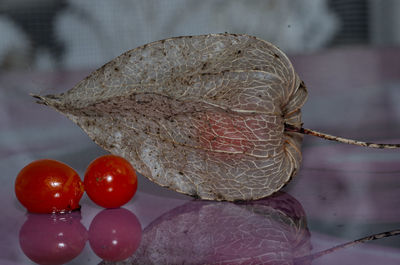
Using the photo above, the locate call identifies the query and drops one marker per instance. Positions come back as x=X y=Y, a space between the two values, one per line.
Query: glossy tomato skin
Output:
x=48 y=186
x=110 y=181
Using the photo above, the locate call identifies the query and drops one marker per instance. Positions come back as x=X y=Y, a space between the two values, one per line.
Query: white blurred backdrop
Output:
x=71 y=34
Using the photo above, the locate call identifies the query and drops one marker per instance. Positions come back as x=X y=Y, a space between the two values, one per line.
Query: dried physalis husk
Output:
x=202 y=115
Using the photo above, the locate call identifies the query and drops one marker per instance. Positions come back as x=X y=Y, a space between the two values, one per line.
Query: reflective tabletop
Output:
x=342 y=193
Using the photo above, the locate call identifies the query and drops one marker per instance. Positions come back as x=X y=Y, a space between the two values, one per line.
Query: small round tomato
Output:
x=48 y=186
x=110 y=181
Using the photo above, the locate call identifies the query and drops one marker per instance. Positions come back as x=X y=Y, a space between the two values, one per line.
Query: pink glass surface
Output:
x=341 y=193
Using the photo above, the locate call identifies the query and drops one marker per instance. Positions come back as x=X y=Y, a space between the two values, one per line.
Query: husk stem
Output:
x=292 y=128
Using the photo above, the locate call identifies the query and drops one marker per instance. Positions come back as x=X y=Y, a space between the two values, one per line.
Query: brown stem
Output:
x=291 y=128
x=311 y=257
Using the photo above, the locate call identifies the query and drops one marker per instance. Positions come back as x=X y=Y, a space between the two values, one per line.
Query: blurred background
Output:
x=71 y=34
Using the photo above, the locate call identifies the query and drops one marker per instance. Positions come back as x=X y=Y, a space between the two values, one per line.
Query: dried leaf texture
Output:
x=268 y=231
x=202 y=115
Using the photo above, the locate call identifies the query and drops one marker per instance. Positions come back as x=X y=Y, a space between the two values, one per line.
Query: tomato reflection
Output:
x=115 y=234
x=52 y=238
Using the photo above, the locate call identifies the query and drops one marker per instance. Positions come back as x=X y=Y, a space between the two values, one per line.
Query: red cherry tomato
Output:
x=110 y=181
x=48 y=186
x=115 y=234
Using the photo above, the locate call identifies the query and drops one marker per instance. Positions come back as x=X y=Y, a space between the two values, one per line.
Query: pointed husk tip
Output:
x=48 y=100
